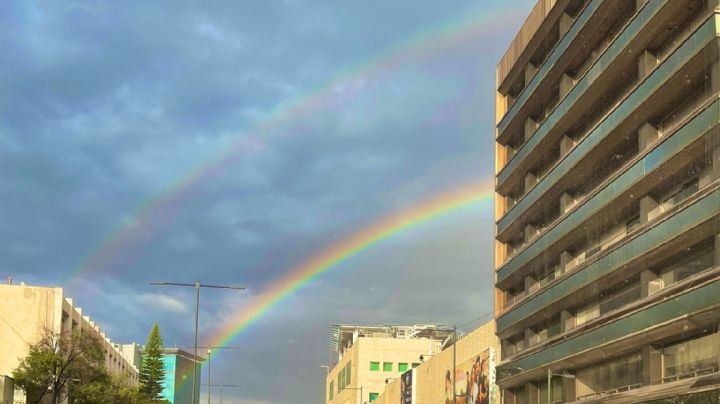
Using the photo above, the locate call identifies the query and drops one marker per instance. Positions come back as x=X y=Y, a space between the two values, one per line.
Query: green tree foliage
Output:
x=152 y=371
x=72 y=366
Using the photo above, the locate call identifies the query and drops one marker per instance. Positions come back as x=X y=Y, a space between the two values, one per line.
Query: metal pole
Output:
x=454 y=362
x=549 y=385
x=221 y=393
x=208 y=369
x=197 y=309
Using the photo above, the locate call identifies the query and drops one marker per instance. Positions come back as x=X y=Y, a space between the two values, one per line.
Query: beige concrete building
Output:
x=607 y=137
x=430 y=376
x=26 y=311
x=369 y=357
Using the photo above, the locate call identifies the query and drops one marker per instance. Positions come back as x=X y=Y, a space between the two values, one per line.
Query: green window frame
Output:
x=374 y=396
x=387 y=366
x=331 y=391
x=402 y=367
x=374 y=366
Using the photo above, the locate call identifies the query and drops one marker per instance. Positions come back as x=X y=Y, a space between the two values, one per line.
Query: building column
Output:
x=530 y=127
x=529 y=335
x=647 y=135
x=567 y=320
x=566 y=84
x=566 y=144
x=646 y=64
x=569 y=392
x=530 y=71
x=566 y=21
x=567 y=260
x=566 y=202
x=650 y=283
x=647 y=205
x=530 y=181
x=533 y=393
x=651 y=365
x=530 y=232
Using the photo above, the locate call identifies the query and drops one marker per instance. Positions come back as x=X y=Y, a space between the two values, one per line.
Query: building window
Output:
x=414 y=365
x=625 y=371
x=374 y=366
x=332 y=391
x=689 y=262
x=374 y=396
x=513 y=344
x=387 y=366
x=698 y=354
x=556 y=392
x=402 y=367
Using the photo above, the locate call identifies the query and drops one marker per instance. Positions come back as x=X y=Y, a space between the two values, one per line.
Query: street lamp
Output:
x=210 y=348
x=326 y=367
x=221 y=388
x=197 y=285
x=550 y=374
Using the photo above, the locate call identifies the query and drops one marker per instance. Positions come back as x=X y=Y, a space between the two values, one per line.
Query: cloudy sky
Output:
x=230 y=142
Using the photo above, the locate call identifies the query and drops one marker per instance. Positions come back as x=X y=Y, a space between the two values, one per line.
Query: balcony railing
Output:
x=639 y=94
x=610 y=392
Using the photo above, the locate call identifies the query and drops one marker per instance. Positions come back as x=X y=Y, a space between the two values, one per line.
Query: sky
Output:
x=231 y=141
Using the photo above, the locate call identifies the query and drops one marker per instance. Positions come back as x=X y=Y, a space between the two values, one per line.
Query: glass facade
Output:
x=607 y=270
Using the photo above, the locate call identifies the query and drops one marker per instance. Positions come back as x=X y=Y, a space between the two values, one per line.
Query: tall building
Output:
x=608 y=202
x=473 y=358
x=27 y=311
x=369 y=357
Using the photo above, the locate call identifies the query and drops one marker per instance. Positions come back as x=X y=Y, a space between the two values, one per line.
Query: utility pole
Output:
x=197 y=285
x=221 y=388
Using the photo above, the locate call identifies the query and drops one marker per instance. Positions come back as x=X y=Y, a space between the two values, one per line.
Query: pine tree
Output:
x=152 y=367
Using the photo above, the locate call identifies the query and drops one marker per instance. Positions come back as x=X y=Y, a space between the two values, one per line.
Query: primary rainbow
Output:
x=155 y=213
x=334 y=255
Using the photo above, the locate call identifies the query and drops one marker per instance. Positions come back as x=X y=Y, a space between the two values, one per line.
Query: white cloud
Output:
x=161 y=302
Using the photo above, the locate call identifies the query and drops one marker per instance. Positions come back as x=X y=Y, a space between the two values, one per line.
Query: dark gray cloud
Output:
x=107 y=106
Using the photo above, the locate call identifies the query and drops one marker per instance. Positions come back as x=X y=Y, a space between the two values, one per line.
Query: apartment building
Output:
x=608 y=203
x=369 y=357
x=432 y=380
x=27 y=311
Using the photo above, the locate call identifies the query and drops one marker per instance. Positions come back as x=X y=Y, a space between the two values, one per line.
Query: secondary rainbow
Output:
x=118 y=246
x=334 y=255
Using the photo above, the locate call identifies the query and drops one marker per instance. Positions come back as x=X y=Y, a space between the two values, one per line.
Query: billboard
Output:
x=474 y=380
x=407 y=387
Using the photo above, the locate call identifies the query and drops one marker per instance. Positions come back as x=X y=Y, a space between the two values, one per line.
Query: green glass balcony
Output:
x=675 y=62
x=683 y=137
x=560 y=49
x=665 y=311
x=618 y=46
x=696 y=213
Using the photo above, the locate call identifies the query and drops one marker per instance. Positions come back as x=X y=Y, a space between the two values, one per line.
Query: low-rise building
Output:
x=26 y=312
x=472 y=357
x=369 y=357
x=178 y=366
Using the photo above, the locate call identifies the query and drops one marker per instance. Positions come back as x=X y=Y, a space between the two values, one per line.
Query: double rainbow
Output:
x=303 y=274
